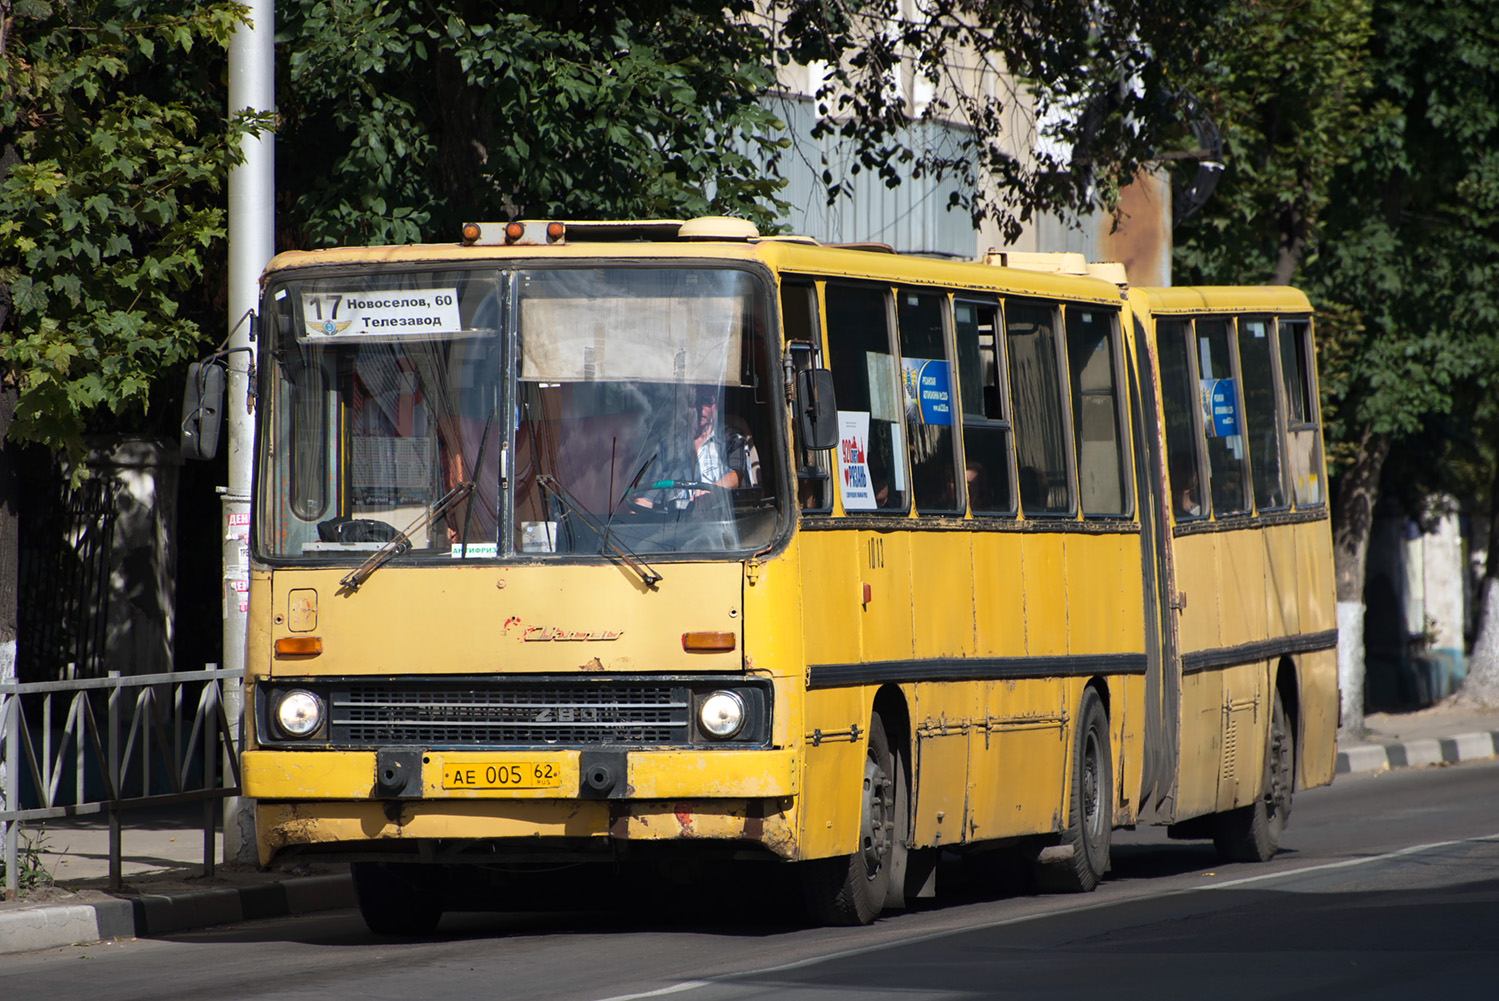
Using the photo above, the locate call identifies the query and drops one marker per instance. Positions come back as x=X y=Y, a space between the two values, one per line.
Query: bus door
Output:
x=1163 y=665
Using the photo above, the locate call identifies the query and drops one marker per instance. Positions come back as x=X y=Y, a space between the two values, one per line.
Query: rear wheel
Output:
x=1083 y=856
x=851 y=889
x=398 y=898
x=1252 y=833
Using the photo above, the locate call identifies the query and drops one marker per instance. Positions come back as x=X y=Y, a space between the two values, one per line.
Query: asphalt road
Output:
x=1387 y=887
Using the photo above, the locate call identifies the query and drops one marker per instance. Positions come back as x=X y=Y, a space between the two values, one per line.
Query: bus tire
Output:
x=398 y=898
x=1084 y=855
x=851 y=889
x=1252 y=833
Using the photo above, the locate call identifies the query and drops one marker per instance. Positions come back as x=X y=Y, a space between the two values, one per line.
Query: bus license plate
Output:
x=512 y=775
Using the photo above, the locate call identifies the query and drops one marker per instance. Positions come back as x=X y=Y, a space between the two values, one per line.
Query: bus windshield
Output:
x=636 y=416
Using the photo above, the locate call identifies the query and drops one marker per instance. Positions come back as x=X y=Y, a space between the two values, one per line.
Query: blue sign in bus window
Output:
x=928 y=390
x=1220 y=409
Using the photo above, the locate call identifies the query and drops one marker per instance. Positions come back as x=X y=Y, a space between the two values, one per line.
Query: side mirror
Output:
x=202 y=410
x=816 y=410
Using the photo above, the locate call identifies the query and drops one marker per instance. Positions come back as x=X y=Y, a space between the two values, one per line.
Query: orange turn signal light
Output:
x=708 y=641
x=514 y=231
x=555 y=231
x=470 y=232
x=299 y=646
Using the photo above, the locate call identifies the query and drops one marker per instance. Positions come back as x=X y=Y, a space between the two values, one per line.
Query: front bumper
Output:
x=648 y=774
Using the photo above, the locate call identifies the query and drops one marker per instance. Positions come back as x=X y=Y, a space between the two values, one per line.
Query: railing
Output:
x=133 y=742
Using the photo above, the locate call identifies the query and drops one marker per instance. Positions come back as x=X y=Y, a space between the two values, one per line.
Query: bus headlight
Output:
x=722 y=714
x=299 y=713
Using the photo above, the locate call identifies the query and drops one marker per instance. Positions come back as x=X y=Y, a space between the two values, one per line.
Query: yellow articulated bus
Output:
x=601 y=542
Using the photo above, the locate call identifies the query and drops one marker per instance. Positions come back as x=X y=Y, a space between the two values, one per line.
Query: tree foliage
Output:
x=1057 y=105
x=112 y=120
x=1360 y=145
x=401 y=119
x=1412 y=246
x=1288 y=83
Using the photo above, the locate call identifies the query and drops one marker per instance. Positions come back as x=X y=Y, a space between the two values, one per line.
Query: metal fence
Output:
x=63 y=568
x=106 y=745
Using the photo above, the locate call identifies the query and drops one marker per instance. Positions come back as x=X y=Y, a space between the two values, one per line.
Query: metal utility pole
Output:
x=252 y=243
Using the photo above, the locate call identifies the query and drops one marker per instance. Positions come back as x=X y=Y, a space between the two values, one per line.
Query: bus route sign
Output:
x=401 y=313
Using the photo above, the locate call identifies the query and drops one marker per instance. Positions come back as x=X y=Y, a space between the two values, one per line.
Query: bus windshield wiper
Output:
x=402 y=540
x=616 y=549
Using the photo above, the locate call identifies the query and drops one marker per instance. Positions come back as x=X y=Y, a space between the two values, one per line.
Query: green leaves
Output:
x=402 y=120
x=1360 y=143
x=117 y=118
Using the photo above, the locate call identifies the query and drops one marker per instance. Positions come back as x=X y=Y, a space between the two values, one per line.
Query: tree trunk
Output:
x=1353 y=520
x=1482 y=683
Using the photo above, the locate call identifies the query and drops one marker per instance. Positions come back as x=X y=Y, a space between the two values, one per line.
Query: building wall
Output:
x=913 y=217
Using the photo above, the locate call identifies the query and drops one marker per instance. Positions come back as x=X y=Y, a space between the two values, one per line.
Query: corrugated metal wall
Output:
x=912 y=217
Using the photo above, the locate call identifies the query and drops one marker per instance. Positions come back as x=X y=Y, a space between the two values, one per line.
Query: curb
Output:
x=1366 y=758
x=47 y=926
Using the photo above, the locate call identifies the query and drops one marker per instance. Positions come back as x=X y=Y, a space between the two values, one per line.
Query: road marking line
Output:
x=692 y=985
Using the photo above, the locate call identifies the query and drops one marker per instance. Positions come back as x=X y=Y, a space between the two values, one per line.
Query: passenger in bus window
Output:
x=980 y=497
x=1184 y=492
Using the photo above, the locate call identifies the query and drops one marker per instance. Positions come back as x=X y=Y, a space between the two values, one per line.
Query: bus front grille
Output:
x=509 y=714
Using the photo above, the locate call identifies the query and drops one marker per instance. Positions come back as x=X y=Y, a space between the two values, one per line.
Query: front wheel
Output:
x=1252 y=833
x=398 y=898
x=851 y=889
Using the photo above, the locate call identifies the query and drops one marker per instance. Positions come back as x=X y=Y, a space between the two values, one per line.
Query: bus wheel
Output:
x=851 y=889
x=398 y=898
x=1252 y=833
x=1083 y=857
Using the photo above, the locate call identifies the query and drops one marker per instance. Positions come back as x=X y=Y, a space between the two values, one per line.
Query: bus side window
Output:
x=1256 y=370
x=986 y=423
x=1036 y=394
x=1093 y=366
x=926 y=377
x=1222 y=423
x=1303 y=431
x=1178 y=401
x=799 y=324
x=871 y=455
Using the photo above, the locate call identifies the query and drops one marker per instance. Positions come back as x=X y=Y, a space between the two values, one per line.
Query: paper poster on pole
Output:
x=853 y=461
x=236 y=590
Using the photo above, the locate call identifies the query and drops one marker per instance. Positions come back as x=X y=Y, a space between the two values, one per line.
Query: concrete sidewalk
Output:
x=1446 y=733
x=165 y=891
